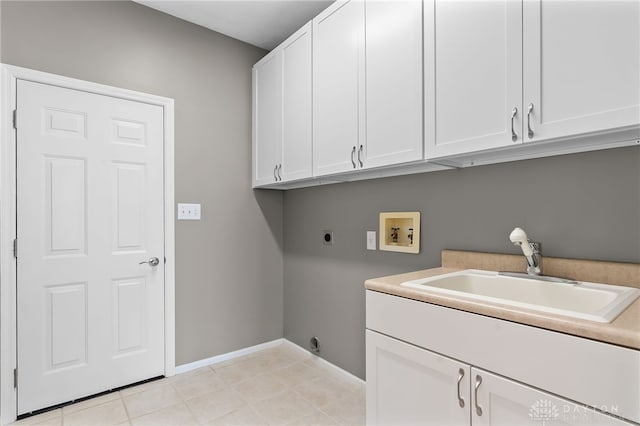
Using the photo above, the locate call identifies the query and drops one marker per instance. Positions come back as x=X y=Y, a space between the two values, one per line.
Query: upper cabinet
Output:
x=267 y=118
x=282 y=113
x=338 y=88
x=373 y=88
x=367 y=85
x=581 y=67
x=473 y=75
x=501 y=73
x=393 y=82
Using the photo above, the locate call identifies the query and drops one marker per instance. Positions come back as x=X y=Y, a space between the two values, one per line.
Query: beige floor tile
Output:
x=298 y=373
x=171 y=416
x=239 y=371
x=110 y=413
x=151 y=400
x=215 y=404
x=188 y=375
x=98 y=400
x=53 y=417
x=244 y=416
x=315 y=419
x=284 y=408
x=144 y=387
x=349 y=411
x=260 y=387
x=329 y=370
x=197 y=385
x=323 y=391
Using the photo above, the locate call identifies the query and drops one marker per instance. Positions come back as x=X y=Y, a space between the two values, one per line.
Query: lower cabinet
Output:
x=409 y=385
x=498 y=401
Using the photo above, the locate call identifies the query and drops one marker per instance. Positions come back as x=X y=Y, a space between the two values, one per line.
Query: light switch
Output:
x=188 y=211
x=371 y=240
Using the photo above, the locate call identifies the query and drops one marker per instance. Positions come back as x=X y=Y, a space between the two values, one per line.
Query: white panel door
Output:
x=408 y=385
x=473 y=75
x=393 y=82
x=89 y=209
x=581 y=66
x=501 y=402
x=267 y=119
x=296 y=105
x=338 y=89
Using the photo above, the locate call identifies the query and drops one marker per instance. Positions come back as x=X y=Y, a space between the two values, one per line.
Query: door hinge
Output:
x=15 y=378
x=15 y=118
x=15 y=248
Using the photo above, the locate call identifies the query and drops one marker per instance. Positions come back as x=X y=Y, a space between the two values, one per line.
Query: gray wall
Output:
x=579 y=206
x=229 y=265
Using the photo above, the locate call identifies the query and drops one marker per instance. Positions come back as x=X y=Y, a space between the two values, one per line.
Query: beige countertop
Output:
x=623 y=331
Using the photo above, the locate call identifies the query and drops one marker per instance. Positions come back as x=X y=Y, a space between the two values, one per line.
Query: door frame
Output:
x=9 y=75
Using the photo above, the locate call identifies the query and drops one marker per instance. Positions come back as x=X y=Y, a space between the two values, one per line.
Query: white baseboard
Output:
x=225 y=357
x=246 y=351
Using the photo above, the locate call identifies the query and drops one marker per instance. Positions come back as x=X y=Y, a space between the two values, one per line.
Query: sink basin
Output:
x=589 y=301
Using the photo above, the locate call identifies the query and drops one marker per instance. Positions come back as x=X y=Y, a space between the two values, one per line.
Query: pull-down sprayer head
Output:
x=529 y=249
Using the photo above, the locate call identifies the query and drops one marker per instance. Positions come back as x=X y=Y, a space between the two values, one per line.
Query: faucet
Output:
x=530 y=250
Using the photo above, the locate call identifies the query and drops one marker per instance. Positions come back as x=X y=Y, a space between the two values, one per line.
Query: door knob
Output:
x=154 y=261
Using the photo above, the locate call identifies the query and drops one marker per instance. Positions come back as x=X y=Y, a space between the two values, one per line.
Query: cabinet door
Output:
x=581 y=66
x=408 y=385
x=296 y=105
x=267 y=118
x=473 y=75
x=503 y=402
x=338 y=49
x=394 y=82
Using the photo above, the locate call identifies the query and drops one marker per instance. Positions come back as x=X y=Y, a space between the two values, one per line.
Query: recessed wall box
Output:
x=400 y=231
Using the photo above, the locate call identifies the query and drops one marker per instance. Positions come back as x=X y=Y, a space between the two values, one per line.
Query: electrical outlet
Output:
x=188 y=211
x=371 y=240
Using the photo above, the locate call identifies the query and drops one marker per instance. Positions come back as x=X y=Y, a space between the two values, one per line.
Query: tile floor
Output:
x=282 y=385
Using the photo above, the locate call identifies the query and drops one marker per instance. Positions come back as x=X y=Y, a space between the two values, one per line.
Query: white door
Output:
x=89 y=210
x=473 y=75
x=501 y=402
x=296 y=105
x=338 y=89
x=267 y=119
x=581 y=67
x=394 y=82
x=408 y=385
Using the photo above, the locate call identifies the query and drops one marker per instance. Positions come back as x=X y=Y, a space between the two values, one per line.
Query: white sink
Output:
x=590 y=301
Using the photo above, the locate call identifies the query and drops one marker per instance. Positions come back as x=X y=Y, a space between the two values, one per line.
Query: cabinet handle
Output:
x=460 y=376
x=529 y=110
x=353 y=152
x=514 y=136
x=478 y=383
x=275 y=169
x=359 y=153
x=279 y=170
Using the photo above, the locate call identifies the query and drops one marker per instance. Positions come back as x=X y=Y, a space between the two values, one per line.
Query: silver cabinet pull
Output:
x=360 y=152
x=529 y=110
x=460 y=376
x=279 y=167
x=353 y=152
x=275 y=169
x=478 y=383
x=154 y=261
x=514 y=112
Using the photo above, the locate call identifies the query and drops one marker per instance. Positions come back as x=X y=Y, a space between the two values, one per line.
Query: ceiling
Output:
x=262 y=23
